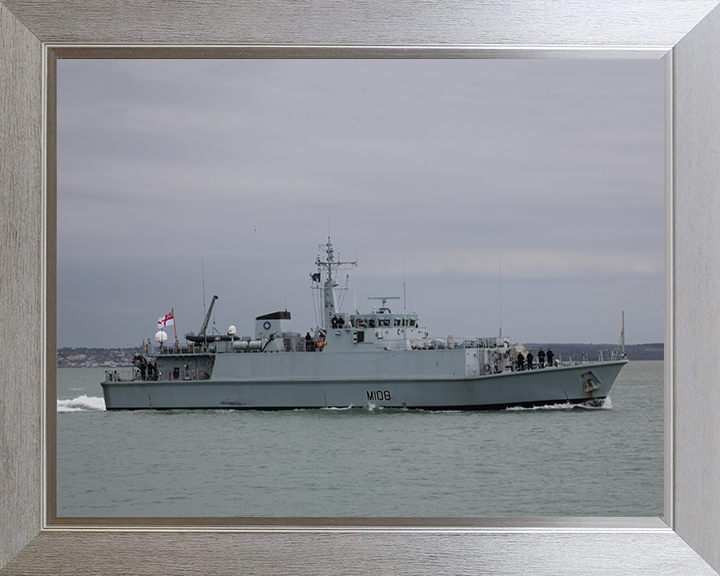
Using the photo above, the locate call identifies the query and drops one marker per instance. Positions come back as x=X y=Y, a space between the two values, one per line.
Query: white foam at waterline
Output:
x=607 y=405
x=338 y=407
x=81 y=403
x=370 y=407
x=563 y=406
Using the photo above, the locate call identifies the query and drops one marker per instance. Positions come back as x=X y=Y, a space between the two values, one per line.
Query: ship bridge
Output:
x=389 y=325
x=384 y=319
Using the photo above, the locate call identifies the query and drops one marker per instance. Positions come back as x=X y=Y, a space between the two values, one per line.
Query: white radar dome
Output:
x=232 y=330
x=161 y=336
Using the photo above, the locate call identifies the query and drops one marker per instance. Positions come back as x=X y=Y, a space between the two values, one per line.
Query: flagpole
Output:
x=172 y=311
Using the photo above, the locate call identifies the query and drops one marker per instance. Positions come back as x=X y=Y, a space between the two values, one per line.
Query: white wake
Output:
x=81 y=404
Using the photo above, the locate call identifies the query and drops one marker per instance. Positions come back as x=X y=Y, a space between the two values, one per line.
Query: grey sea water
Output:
x=556 y=461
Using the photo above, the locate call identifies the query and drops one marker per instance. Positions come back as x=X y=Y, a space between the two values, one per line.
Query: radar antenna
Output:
x=384 y=299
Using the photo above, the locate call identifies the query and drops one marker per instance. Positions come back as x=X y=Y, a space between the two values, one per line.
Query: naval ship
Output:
x=381 y=359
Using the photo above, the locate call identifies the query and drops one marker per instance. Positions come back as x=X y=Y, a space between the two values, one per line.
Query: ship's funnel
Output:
x=275 y=323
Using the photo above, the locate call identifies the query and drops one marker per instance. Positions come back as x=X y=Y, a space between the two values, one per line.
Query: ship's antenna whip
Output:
x=202 y=266
x=500 y=281
x=404 y=303
x=500 y=290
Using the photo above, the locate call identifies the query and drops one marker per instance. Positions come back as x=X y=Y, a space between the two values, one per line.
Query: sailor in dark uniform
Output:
x=520 y=361
x=541 y=358
x=152 y=371
x=550 y=357
x=529 y=360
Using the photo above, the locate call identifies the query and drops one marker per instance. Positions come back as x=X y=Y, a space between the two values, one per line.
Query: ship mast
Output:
x=329 y=267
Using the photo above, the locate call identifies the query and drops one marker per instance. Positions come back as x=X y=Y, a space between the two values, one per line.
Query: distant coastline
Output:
x=122 y=357
x=92 y=357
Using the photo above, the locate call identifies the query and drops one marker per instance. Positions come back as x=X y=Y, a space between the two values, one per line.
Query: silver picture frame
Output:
x=684 y=33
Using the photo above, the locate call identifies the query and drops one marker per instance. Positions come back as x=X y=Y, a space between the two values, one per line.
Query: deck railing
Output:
x=134 y=375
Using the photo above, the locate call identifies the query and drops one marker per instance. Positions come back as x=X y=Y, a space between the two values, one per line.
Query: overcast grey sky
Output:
x=432 y=173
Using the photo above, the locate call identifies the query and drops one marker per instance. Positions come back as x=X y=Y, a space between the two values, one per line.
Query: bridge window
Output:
x=398 y=322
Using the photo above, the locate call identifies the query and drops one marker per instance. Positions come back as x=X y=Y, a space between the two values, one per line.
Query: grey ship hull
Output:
x=445 y=384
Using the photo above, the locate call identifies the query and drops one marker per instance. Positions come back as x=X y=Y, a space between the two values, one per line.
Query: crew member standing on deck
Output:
x=541 y=358
x=529 y=360
x=520 y=362
x=550 y=357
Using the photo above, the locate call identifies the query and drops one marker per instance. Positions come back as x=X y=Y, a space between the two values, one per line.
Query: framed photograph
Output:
x=431 y=174
x=684 y=35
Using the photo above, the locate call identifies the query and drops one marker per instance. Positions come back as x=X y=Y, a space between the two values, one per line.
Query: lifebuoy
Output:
x=201 y=375
x=320 y=343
